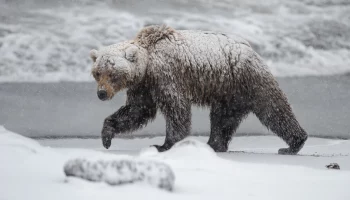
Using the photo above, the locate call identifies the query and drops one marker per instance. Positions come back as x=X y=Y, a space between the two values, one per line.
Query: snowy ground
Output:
x=32 y=170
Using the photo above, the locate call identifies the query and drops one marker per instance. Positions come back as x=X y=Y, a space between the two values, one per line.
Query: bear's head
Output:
x=118 y=67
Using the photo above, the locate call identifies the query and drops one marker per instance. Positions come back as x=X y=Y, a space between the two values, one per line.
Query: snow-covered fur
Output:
x=119 y=66
x=172 y=69
x=118 y=172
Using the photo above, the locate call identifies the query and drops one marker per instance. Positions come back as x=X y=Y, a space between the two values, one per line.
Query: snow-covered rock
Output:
x=118 y=172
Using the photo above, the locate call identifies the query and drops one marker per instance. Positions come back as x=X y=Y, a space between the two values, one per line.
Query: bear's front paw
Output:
x=107 y=136
x=161 y=148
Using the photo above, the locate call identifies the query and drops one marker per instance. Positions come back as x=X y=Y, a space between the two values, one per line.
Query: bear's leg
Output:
x=127 y=118
x=138 y=111
x=178 y=123
x=224 y=120
x=274 y=111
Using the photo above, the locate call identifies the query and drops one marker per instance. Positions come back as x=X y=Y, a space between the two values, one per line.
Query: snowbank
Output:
x=31 y=171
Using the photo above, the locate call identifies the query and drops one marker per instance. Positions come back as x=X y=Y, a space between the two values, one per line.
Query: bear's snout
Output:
x=102 y=95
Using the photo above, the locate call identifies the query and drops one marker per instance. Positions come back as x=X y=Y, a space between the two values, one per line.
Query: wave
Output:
x=47 y=41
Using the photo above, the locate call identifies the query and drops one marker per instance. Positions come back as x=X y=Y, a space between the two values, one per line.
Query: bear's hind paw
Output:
x=287 y=151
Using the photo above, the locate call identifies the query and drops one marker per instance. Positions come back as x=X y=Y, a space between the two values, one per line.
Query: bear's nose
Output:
x=102 y=94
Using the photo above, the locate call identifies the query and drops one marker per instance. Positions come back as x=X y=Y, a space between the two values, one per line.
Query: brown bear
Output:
x=169 y=70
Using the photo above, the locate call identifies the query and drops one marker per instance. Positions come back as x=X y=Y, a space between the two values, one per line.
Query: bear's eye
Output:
x=96 y=75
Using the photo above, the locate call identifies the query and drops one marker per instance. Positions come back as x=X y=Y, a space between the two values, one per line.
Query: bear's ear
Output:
x=93 y=55
x=131 y=53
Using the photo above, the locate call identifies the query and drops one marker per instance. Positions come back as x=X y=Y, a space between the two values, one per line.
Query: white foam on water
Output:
x=52 y=44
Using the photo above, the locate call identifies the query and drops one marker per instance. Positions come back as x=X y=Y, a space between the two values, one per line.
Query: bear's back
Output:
x=206 y=64
x=206 y=50
x=211 y=36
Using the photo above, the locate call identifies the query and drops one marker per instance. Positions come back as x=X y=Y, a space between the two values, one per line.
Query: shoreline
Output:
x=150 y=136
x=61 y=109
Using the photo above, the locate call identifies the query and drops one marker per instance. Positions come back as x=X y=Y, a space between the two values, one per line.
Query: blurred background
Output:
x=46 y=89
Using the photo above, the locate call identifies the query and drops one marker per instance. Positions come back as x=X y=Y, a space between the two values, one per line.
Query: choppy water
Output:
x=49 y=40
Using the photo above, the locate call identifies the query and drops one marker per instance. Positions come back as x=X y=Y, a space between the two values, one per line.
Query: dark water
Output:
x=72 y=109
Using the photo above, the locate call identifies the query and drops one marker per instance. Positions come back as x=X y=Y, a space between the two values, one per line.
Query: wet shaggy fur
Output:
x=170 y=70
